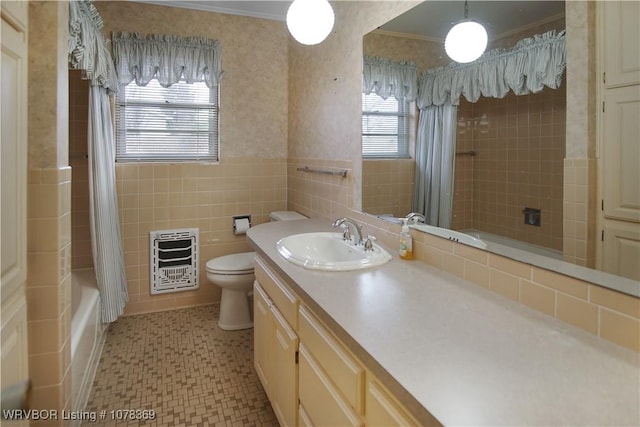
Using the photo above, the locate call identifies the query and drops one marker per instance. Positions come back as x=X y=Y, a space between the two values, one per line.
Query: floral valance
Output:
x=168 y=58
x=88 y=49
x=387 y=78
x=533 y=63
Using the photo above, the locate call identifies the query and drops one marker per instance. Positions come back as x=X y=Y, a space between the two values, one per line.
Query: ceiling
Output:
x=430 y=19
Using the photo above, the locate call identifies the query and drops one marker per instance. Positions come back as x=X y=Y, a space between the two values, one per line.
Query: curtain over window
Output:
x=387 y=78
x=533 y=63
x=167 y=58
x=88 y=50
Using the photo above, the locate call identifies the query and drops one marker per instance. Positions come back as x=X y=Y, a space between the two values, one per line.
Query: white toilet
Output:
x=234 y=274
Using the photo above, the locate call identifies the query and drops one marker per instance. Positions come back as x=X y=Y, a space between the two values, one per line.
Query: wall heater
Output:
x=174 y=260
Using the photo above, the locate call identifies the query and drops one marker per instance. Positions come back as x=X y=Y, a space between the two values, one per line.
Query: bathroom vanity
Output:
x=407 y=344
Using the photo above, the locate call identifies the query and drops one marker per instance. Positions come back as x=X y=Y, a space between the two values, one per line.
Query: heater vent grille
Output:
x=174 y=260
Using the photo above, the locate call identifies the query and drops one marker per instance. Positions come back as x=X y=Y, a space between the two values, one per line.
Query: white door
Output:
x=621 y=156
x=13 y=159
x=619 y=138
x=621 y=56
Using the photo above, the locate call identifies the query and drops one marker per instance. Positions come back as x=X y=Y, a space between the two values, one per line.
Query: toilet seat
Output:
x=231 y=265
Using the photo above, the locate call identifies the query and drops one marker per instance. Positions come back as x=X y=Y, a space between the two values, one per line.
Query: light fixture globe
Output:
x=310 y=21
x=466 y=41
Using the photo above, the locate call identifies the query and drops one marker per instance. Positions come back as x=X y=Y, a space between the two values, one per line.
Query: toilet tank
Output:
x=285 y=216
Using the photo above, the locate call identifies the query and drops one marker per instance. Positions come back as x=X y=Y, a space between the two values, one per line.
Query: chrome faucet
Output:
x=417 y=216
x=345 y=223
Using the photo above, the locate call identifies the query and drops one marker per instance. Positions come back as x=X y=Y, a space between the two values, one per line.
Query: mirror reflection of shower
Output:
x=519 y=146
x=518 y=142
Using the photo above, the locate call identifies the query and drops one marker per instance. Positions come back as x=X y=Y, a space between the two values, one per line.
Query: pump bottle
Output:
x=405 y=246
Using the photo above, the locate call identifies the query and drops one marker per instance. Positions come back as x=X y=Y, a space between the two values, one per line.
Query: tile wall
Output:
x=48 y=210
x=519 y=143
x=49 y=286
x=387 y=186
x=611 y=315
x=185 y=195
x=318 y=194
x=579 y=208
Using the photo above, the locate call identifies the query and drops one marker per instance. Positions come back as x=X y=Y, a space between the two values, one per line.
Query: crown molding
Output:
x=209 y=7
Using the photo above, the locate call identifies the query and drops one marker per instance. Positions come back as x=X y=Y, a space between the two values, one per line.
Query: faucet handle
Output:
x=368 y=242
x=346 y=234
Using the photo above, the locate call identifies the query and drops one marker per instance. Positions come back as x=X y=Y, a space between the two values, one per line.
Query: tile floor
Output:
x=182 y=366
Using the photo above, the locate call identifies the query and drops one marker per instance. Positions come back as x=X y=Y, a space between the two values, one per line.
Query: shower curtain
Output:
x=435 y=163
x=106 y=242
x=534 y=62
x=89 y=52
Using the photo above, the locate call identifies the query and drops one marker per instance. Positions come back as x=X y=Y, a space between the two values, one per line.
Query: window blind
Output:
x=154 y=123
x=385 y=127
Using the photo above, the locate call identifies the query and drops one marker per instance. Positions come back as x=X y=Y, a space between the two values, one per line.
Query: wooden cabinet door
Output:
x=383 y=410
x=621 y=249
x=621 y=42
x=284 y=381
x=262 y=333
x=621 y=153
x=322 y=402
x=620 y=175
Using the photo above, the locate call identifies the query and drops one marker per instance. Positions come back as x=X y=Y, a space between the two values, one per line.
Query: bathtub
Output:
x=493 y=239
x=87 y=335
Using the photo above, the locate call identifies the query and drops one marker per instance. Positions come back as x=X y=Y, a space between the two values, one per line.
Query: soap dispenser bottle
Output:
x=405 y=246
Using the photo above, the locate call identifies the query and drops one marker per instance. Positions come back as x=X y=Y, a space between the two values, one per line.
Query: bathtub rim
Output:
x=495 y=239
x=89 y=298
x=81 y=386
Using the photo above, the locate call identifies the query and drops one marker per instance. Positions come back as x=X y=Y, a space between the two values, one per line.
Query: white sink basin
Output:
x=329 y=252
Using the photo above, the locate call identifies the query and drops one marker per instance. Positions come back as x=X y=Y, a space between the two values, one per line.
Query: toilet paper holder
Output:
x=241 y=223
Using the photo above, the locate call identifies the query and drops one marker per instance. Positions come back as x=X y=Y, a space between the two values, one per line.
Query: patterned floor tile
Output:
x=182 y=366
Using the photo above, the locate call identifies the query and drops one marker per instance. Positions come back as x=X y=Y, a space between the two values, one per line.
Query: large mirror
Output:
x=508 y=180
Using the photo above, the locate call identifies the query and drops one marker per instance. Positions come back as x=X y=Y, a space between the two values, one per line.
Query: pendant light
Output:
x=467 y=40
x=310 y=21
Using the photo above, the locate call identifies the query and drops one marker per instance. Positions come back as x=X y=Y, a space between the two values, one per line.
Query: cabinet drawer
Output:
x=322 y=403
x=383 y=409
x=279 y=293
x=345 y=372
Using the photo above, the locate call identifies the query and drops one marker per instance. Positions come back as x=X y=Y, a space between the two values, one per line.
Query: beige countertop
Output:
x=460 y=353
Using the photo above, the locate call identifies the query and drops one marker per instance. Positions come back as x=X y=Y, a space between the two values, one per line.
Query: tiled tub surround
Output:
x=442 y=344
x=49 y=286
x=519 y=143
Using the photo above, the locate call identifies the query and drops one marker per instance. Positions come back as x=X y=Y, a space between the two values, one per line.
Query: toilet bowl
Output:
x=234 y=274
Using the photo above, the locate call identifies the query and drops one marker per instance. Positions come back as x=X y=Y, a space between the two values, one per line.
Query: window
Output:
x=385 y=127
x=154 y=123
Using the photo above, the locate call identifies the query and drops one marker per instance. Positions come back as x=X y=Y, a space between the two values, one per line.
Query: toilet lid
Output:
x=241 y=263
